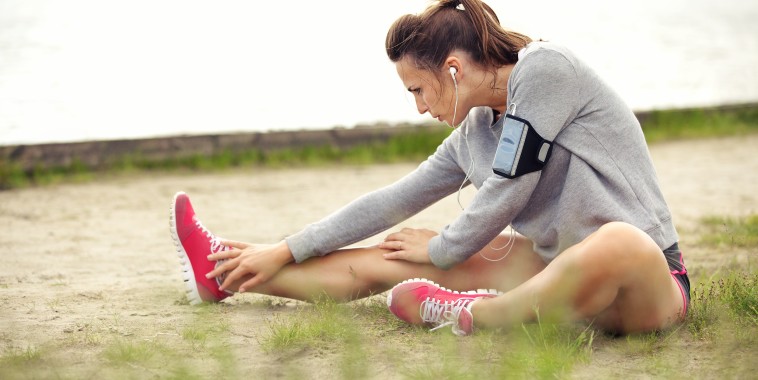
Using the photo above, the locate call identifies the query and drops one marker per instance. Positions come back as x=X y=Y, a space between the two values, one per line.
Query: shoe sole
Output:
x=188 y=274
x=493 y=292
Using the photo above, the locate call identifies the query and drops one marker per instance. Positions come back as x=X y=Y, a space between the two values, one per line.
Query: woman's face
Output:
x=429 y=93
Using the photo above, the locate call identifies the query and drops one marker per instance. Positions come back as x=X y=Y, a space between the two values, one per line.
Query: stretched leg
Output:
x=345 y=274
x=354 y=273
x=617 y=277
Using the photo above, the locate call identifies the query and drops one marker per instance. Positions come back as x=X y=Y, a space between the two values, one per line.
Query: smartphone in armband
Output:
x=521 y=149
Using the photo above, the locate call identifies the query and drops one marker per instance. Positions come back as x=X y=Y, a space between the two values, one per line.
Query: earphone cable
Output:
x=511 y=239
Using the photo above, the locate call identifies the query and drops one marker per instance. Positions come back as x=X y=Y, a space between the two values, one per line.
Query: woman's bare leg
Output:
x=617 y=278
x=355 y=273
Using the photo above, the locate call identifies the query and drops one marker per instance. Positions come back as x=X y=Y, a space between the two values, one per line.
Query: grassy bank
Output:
x=670 y=125
x=415 y=146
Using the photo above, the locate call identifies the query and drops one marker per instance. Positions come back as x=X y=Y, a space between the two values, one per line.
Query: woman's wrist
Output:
x=283 y=252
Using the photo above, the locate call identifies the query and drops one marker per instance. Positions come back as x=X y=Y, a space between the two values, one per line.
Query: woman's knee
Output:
x=618 y=242
x=618 y=252
x=624 y=235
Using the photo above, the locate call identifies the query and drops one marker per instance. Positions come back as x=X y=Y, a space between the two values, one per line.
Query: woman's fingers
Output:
x=235 y=244
x=259 y=261
x=395 y=245
x=408 y=244
x=228 y=254
x=223 y=267
x=395 y=236
x=395 y=255
x=411 y=255
x=234 y=275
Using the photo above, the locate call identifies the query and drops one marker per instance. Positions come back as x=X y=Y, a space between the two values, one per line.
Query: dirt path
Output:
x=83 y=261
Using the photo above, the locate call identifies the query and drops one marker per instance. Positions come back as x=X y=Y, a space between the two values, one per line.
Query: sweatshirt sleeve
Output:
x=544 y=89
x=434 y=179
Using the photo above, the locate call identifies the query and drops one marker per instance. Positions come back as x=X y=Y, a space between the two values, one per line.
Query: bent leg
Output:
x=360 y=272
x=617 y=278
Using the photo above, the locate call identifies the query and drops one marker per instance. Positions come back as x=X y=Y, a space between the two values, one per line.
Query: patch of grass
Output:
x=208 y=336
x=447 y=358
x=195 y=335
x=704 y=311
x=128 y=352
x=731 y=300
x=667 y=125
x=641 y=344
x=323 y=322
x=20 y=356
x=550 y=350
x=737 y=293
x=323 y=329
x=730 y=232
x=92 y=338
x=12 y=175
x=740 y=293
x=724 y=319
x=198 y=348
x=20 y=363
x=538 y=350
x=361 y=333
x=730 y=297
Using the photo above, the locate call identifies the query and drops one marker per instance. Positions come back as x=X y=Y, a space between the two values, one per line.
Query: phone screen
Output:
x=510 y=146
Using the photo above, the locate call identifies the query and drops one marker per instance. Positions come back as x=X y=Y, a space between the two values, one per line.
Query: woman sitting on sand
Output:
x=553 y=152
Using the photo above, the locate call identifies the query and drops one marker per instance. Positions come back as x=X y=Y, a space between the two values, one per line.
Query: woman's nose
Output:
x=421 y=106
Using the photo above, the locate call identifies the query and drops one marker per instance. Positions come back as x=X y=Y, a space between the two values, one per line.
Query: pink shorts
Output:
x=678 y=271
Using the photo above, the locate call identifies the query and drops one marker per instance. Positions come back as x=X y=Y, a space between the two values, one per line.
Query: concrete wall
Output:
x=95 y=153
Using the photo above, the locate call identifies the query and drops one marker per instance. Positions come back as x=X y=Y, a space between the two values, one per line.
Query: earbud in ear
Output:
x=453 y=70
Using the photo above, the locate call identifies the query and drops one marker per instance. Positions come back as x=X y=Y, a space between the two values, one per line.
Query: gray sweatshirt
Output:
x=600 y=171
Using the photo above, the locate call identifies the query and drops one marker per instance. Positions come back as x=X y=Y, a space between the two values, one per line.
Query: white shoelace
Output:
x=444 y=314
x=216 y=246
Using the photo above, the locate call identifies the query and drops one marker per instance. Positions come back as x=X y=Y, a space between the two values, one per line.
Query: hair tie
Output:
x=457 y=4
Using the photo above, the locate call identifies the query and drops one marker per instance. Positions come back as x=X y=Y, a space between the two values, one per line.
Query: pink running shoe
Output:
x=435 y=304
x=193 y=245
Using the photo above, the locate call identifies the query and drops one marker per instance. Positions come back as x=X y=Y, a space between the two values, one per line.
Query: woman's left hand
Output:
x=409 y=244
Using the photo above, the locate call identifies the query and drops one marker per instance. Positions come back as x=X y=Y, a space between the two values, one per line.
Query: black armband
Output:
x=521 y=149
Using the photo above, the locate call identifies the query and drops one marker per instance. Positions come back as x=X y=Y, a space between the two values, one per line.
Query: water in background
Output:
x=93 y=69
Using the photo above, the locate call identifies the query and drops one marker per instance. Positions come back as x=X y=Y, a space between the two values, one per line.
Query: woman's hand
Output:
x=261 y=261
x=409 y=244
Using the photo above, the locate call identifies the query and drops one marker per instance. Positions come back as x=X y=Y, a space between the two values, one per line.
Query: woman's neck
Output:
x=493 y=92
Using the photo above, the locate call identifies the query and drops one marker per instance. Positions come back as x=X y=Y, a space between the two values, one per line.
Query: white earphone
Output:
x=454 y=71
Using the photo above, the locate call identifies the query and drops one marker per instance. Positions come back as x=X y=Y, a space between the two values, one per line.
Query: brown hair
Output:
x=447 y=25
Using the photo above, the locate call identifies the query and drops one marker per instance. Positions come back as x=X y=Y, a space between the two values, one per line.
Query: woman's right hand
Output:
x=261 y=261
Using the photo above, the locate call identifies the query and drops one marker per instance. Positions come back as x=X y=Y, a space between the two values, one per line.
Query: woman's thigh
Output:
x=625 y=258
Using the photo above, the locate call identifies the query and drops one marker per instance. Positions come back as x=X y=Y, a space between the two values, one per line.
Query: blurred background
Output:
x=82 y=70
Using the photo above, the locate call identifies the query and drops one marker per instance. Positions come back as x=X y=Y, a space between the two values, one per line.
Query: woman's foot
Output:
x=420 y=301
x=193 y=245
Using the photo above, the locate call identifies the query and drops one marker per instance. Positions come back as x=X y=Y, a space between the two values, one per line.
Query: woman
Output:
x=553 y=152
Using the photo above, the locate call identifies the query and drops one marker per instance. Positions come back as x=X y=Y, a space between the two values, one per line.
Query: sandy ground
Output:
x=99 y=253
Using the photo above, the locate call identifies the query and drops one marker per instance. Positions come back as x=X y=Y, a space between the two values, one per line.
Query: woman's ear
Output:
x=453 y=66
